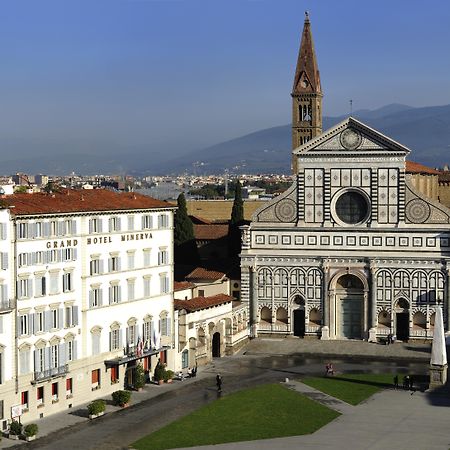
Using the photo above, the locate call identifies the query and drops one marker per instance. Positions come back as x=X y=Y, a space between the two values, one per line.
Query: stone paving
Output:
x=262 y=361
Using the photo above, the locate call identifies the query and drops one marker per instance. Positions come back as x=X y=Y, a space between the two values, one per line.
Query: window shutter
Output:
x=74 y=227
x=38 y=286
x=3 y=231
x=119 y=293
x=62 y=354
x=110 y=341
x=101 y=264
x=61 y=228
x=110 y=224
x=91 y=299
x=60 y=318
x=36 y=322
x=119 y=223
x=100 y=225
x=109 y=264
x=30 y=323
x=100 y=297
x=4 y=293
x=74 y=254
x=90 y=226
x=37 y=367
x=47 y=358
x=119 y=263
x=1 y=324
x=48 y=320
x=4 y=260
x=74 y=315
x=75 y=351
x=127 y=336
x=46 y=229
x=168 y=326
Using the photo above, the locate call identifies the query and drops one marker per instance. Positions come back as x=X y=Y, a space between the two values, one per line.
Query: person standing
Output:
x=219 y=383
x=396 y=381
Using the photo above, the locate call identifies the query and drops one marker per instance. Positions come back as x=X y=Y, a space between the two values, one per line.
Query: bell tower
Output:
x=306 y=94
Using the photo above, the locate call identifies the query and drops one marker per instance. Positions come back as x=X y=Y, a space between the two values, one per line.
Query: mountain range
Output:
x=426 y=131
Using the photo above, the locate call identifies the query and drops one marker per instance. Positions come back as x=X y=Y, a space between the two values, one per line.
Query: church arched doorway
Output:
x=402 y=319
x=298 y=315
x=349 y=306
x=216 y=345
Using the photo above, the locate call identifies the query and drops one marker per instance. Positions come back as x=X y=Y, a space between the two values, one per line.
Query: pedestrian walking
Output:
x=396 y=381
x=406 y=382
x=219 y=383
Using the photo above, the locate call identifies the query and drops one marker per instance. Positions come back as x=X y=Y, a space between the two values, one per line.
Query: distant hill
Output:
x=426 y=131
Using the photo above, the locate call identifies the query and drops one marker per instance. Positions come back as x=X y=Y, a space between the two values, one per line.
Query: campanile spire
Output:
x=306 y=93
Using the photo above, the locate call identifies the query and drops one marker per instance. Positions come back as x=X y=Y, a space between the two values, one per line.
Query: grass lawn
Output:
x=263 y=412
x=351 y=388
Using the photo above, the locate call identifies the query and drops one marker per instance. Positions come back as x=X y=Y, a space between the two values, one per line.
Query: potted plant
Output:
x=15 y=429
x=30 y=431
x=121 y=398
x=168 y=376
x=139 y=377
x=159 y=374
x=96 y=408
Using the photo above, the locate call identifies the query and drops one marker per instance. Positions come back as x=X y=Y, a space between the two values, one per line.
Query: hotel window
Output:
x=114 y=224
x=147 y=222
x=163 y=221
x=164 y=283
x=24 y=399
x=25 y=322
x=131 y=289
x=147 y=290
x=55 y=318
x=114 y=374
x=54 y=392
x=114 y=294
x=147 y=331
x=131 y=335
x=24 y=288
x=22 y=259
x=114 y=264
x=54 y=228
x=69 y=227
x=164 y=325
x=115 y=339
x=67 y=282
x=163 y=256
x=24 y=359
x=39 y=359
x=131 y=259
x=68 y=254
x=70 y=350
x=69 y=387
x=95 y=225
x=40 y=286
x=39 y=319
x=71 y=313
x=39 y=258
x=95 y=379
x=38 y=229
x=96 y=266
x=54 y=361
x=95 y=297
x=53 y=256
x=40 y=395
x=147 y=257
x=95 y=336
x=130 y=223
x=22 y=231
x=54 y=282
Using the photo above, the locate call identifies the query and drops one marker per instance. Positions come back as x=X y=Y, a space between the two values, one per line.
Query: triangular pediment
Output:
x=351 y=136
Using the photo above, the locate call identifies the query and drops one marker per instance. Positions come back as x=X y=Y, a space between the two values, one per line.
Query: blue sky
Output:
x=176 y=75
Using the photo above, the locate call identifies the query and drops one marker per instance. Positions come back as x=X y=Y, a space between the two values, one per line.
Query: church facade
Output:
x=352 y=250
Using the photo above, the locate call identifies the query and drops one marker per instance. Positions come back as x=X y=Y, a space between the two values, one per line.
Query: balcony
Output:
x=50 y=373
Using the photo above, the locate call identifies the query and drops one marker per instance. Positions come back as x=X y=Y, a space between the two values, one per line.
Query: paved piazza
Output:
x=390 y=419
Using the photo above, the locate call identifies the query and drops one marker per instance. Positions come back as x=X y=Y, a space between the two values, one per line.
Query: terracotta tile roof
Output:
x=71 y=200
x=199 y=220
x=199 y=273
x=198 y=303
x=182 y=285
x=413 y=167
x=210 y=232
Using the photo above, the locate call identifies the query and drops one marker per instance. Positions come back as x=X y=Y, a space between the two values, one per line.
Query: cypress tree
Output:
x=237 y=219
x=184 y=238
x=237 y=213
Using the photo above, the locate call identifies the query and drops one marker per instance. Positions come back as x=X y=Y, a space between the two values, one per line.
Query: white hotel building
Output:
x=86 y=292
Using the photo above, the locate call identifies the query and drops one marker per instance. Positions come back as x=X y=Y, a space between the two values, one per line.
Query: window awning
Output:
x=130 y=358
